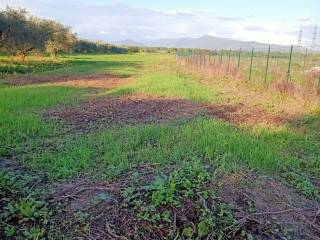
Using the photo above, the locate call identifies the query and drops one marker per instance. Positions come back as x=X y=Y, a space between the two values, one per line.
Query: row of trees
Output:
x=21 y=34
x=85 y=46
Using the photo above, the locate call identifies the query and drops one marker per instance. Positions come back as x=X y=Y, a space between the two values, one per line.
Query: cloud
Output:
x=304 y=19
x=231 y=18
x=103 y=32
x=115 y=21
x=256 y=28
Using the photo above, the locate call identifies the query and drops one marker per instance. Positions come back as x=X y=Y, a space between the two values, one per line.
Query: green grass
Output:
x=214 y=142
x=170 y=83
x=116 y=150
x=46 y=147
x=20 y=120
x=33 y=65
x=122 y=65
x=187 y=156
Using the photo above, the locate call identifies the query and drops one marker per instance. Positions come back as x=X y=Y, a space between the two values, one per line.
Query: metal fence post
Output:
x=229 y=56
x=305 y=58
x=289 y=64
x=239 y=56
x=251 y=62
x=267 y=66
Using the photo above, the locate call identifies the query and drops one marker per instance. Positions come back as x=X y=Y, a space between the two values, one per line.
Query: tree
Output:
x=85 y=46
x=19 y=33
x=60 y=38
x=4 y=29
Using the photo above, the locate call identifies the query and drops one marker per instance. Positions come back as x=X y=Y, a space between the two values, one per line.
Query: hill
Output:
x=210 y=42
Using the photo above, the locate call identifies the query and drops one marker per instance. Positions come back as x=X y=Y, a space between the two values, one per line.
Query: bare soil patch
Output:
x=139 y=109
x=107 y=81
x=105 y=210
x=267 y=207
x=263 y=206
x=126 y=109
x=240 y=114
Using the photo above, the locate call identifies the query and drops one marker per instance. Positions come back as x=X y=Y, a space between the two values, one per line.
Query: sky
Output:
x=272 y=21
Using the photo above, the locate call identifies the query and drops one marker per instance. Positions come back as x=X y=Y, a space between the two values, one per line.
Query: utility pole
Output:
x=300 y=40
x=314 y=38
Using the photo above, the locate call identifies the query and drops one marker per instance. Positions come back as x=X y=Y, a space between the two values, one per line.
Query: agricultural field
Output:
x=154 y=146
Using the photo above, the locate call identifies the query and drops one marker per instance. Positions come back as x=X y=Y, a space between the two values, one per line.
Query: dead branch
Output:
x=133 y=100
x=244 y=219
x=99 y=188
x=112 y=234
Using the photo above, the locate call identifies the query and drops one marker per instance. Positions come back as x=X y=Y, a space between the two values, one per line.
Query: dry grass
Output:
x=279 y=98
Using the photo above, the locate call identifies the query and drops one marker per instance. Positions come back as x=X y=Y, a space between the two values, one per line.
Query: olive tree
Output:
x=21 y=33
x=4 y=29
x=18 y=34
x=60 y=38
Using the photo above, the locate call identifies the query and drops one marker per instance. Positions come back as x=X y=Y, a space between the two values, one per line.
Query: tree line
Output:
x=21 y=34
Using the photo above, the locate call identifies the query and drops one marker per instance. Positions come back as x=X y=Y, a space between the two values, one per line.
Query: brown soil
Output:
x=108 y=217
x=137 y=109
x=239 y=114
x=107 y=81
x=126 y=109
x=266 y=205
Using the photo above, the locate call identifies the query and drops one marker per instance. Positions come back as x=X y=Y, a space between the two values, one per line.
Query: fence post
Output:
x=239 y=56
x=251 y=62
x=289 y=65
x=229 y=56
x=194 y=61
x=267 y=66
x=221 y=55
x=305 y=58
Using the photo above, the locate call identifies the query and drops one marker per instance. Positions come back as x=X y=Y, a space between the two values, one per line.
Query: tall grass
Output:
x=299 y=81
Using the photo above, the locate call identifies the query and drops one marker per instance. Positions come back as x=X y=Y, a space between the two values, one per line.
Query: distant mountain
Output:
x=128 y=42
x=210 y=42
x=204 y=42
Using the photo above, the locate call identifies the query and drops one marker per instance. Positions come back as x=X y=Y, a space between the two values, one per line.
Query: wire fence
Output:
x=292 y=68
